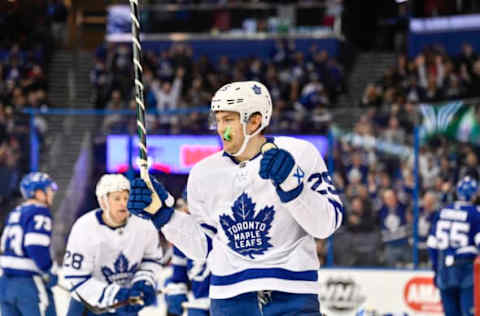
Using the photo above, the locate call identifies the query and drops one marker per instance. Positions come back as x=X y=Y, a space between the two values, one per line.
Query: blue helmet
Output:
x=467 y=188
x=34 y=181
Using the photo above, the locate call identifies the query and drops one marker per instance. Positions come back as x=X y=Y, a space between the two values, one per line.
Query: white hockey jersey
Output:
x=257 y=241
x=100 y=259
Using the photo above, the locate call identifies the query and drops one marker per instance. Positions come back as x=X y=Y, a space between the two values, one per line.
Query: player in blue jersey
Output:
x=255 y=208
x=453 y=245
x=187 y=273
x=28 y=268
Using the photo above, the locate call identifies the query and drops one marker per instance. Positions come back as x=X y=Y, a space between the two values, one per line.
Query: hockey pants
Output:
x=267 y=303
x=25 y=296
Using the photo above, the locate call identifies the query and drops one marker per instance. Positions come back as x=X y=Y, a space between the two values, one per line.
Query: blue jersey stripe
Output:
x=78 y=276
x=209 y=227
x=276 y=273
x=79 y=284
x=103 y=294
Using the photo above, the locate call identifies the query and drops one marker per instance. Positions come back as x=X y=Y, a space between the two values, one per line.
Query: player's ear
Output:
x=254 y=122
x=101 y=202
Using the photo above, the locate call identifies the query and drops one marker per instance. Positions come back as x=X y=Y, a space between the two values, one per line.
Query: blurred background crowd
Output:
x=307 y=86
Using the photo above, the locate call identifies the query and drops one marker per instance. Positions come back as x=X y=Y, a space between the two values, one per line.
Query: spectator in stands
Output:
x=167 y=98
x=371 y=97
x=395 y=221
x=467 y=56
x=58 y=15
x=363 y=233
x=99 y=81
x=9 y=172
x=470 y=168
x=115 y=122
x=426 y=214
x=394 y=133
x=121 y=68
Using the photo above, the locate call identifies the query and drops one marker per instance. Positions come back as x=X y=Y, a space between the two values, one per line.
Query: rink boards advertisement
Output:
x=404 y=292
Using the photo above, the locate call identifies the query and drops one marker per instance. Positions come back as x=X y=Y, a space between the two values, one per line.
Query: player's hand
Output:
x=160 y=210
x=147 y=290
x=137 y=300
x=174 y=303
x=279 y=166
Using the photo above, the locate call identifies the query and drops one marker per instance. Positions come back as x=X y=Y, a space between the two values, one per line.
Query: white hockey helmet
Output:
x=109 y=183
x=245 y=98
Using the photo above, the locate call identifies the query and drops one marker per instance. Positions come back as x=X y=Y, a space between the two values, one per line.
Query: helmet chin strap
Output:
x=246 y=139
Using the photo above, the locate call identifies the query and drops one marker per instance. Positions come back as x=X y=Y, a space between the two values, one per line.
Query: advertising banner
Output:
x=397 y=292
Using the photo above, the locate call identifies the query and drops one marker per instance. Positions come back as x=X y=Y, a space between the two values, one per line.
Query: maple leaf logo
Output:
x=247 y=232
x=121 y=273
x=256 y=89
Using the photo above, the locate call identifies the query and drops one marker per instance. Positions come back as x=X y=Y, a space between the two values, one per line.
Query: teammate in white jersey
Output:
x=28 y=268
x=111 y=256
x=253 y=215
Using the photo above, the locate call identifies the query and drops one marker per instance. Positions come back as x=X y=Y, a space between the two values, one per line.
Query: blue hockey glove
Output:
x=174 y=303
x=279 y=166
x=148 y=292
x=160 y=209
x=124 y=294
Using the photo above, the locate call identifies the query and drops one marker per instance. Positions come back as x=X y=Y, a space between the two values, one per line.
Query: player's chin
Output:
x=123 y=214
x=229 y=148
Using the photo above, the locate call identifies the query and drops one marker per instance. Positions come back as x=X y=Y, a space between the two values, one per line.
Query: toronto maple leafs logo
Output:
x=121 y=273
x=257 y=89
x=247 y=232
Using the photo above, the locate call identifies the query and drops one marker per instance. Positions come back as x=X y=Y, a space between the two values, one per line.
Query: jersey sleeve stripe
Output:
x=37 y=239
x=18 y=263
x=209 y=228
x=468 y=249
x=79 y=284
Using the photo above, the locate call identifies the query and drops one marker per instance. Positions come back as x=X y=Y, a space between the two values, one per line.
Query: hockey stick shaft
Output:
x=139 y=100
x=140 y=105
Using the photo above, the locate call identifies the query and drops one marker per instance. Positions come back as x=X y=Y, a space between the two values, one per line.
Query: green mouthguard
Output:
x=226 y=135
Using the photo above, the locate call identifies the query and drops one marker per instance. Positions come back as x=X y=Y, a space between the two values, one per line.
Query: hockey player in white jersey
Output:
x=253 y=215
x=28 y=269
x=111 y=256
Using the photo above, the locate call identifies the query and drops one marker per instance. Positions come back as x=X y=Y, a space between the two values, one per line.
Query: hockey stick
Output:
x=101 y=310
x=137 y=55
x=139 y=100
x=136 y=300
